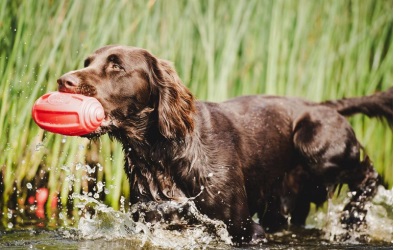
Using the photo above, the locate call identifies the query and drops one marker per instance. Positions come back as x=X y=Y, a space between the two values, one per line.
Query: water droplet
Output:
x=28 y=185
x=100 y=186
x=64 y=140
x=100 y=167
x=39 y=146
x=10 y=225
x=78 y=166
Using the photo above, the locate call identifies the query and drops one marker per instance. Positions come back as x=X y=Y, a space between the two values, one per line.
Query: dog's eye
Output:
x=116 y=66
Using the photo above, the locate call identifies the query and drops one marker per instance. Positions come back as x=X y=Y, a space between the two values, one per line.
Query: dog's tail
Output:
x=378 y=105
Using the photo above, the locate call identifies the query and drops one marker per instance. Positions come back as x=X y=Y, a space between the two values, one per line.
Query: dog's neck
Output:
x=157 y=166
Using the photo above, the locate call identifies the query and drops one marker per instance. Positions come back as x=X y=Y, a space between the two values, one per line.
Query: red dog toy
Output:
x=68 y=114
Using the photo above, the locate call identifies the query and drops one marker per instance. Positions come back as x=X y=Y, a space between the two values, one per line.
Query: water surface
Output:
x=106 y=228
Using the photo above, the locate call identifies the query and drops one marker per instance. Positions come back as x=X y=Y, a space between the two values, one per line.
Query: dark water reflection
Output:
x=56 y=239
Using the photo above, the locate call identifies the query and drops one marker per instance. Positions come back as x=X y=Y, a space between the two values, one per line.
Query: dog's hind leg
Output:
x=331 y=152
x=354 y=212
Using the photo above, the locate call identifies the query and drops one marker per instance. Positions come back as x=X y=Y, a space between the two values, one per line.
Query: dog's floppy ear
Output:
x=174 y=102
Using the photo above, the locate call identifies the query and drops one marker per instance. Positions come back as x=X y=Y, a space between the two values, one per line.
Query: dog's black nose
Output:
x=67 y=82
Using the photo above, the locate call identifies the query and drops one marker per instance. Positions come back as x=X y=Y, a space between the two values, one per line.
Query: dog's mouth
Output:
x=106 y=125
x=106 y=122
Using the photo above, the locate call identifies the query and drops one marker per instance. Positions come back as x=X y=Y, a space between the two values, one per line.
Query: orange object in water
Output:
x=68 y=114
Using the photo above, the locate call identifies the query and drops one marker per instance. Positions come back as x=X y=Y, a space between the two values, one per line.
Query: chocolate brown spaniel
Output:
x=265 y=155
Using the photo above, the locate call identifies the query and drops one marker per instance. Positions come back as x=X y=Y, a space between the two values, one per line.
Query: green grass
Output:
x=312 y=49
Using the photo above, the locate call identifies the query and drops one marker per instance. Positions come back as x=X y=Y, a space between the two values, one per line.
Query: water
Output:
x=101 y=227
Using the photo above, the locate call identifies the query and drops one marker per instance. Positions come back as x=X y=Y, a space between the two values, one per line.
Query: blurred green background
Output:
x=313 y=49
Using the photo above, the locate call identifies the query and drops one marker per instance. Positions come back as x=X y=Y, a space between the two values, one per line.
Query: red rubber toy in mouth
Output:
x=68 y=114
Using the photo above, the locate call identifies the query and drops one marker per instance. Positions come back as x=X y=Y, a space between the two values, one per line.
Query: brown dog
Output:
x=263 y=155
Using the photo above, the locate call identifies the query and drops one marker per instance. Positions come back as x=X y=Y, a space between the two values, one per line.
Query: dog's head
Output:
x=136 y=89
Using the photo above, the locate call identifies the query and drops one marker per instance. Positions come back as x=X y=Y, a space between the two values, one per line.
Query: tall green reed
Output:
x=312 y=49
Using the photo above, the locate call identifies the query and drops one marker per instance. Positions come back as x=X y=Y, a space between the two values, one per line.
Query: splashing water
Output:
x=110 y=224
x=98 y=221
x=379 y=219
x=380 y=216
